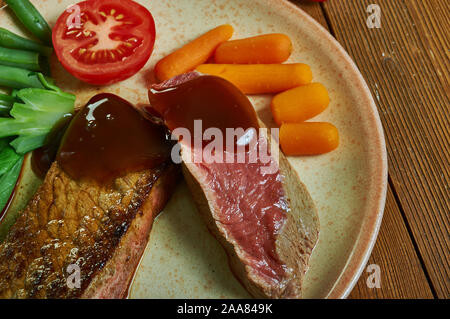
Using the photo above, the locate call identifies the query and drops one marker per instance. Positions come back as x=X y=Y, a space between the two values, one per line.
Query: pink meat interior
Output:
x=252 y=210
x=250 y=204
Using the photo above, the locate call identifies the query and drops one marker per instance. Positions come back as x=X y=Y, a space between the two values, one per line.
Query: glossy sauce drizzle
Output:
x=108 y=138
x=217 y=102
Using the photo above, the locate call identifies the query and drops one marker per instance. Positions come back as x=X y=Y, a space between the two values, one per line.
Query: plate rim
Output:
x=369 y=229
x=370 y=226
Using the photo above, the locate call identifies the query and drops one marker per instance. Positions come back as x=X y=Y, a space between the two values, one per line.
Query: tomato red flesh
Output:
x=112 y=42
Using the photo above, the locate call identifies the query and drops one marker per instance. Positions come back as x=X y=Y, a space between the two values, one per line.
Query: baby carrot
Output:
x=192 y=54
x=308 y=138
x=261 y=78
x=300 y=104
x=263 y=49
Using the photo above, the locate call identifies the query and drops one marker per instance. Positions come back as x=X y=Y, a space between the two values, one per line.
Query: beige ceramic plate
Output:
x=182 y=259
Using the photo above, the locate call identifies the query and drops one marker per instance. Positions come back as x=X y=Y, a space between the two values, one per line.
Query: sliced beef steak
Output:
x=103 y=229
x=265 y=219
x=268 y=224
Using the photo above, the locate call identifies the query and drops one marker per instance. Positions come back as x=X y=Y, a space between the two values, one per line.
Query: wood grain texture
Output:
x=405 y=63
x=313 y=9
x=401 y=274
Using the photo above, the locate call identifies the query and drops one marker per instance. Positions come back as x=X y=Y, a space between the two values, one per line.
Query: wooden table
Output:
x=406 y=65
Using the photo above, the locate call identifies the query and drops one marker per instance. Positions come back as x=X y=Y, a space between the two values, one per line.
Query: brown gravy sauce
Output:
x=109 y=138
x=217 y=102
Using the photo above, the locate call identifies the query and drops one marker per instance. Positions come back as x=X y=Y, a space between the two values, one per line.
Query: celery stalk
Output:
x=34 y=117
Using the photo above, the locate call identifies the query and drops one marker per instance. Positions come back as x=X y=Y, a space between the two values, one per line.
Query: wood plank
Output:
x=406 y=65
x=402 y=275
x=313 y=9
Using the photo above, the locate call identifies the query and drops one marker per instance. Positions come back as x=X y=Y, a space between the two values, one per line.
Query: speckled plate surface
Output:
x=182 y=259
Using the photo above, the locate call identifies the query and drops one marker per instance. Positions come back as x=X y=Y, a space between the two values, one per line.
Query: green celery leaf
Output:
x=4 y=110
x=6 y=103
x=8 y=182
x=3 y=143
x=26 y=143
x=32 y=119
x=8 y=157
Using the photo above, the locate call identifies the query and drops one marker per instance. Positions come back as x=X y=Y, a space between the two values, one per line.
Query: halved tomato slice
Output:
x=104 y=41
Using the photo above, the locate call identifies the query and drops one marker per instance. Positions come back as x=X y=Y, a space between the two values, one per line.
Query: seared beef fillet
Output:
x=102 y=229
x=267 y=222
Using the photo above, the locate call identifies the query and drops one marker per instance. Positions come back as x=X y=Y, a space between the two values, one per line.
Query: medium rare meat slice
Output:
x=269 y=244
x=265 y=219
x=101 y=229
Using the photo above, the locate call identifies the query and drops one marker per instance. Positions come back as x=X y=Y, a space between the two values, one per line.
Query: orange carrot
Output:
x=308 y=138
x=261 y=78
x=265 y=49
x=192 y=54
x=300 y=104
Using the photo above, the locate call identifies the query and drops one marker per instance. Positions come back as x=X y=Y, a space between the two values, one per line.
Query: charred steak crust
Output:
x=112 y=281
x=294 y=244
x=82 y=223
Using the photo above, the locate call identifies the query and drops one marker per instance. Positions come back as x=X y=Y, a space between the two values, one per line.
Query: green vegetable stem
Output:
x=17 y=78
x=21 y=59
x=13 y=41
x=35 y=115
x=27 y=13
x=6 y=103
